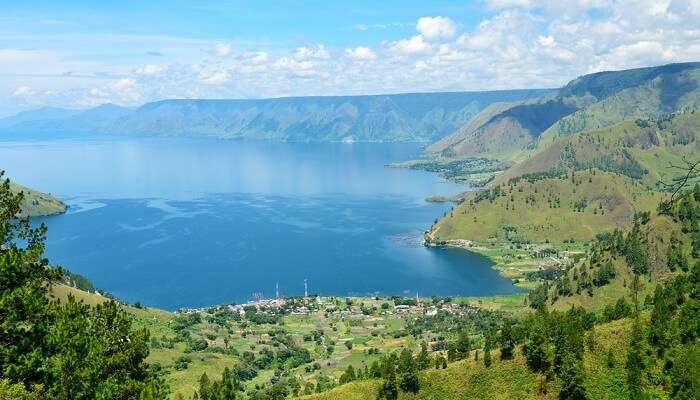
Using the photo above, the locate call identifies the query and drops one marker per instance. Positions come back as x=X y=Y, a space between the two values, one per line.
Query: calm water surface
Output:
x=189 y=222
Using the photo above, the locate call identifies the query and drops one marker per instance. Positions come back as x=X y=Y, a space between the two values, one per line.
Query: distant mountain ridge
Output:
x=589 y=102
x=421 y=117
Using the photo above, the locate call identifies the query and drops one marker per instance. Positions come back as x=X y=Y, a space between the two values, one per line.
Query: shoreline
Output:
x=511 y=262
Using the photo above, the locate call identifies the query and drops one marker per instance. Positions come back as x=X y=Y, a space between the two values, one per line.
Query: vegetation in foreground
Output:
x=69 y=350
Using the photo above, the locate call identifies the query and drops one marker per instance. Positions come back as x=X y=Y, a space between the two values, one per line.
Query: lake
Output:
x=178 y=222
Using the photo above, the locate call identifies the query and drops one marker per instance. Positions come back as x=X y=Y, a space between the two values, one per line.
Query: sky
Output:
x=78 y=54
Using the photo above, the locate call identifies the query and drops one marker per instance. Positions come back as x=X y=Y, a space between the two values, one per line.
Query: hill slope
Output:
x=511 y=379
x=36 y=204
x=590 y=102
x=641 y=149
x=546 y=208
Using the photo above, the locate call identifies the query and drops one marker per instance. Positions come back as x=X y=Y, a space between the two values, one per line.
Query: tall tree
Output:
x=506 y=340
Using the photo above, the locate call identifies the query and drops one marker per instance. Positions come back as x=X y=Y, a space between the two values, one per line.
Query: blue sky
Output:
x=84 y=53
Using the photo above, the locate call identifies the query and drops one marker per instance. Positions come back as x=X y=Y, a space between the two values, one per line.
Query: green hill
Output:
x=511 y=379
x=669 y=247
x=546 y=208
x=644 y=93
x=589 y=102
x=37 y=204
x=642 y=149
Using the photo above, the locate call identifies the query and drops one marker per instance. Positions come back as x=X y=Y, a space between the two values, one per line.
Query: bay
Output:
x=183 y=222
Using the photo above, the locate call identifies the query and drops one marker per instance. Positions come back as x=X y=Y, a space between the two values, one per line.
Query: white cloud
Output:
x=295 y=68
x=223 y=49
x=414 y=45
x=151 y=69
x=124 y=84
x=546 y=41
x=517 y=43
x=360 y=53
x=23 y=91
x=256 y=58
x=216 y=77
x=434 y=28
x=314 y=52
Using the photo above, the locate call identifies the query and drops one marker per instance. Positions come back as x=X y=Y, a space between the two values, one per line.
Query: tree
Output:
x=67 y=350
x=348 y=375
x=537 y=350
x=675 y=258
x=410 y=382
x=389 y=389
x=571 y=375
x=423 y=357
x=685 y=380
x=605 y=274
x=635 y=362
x=463 y=344
x=506 y=340
x=487 y=353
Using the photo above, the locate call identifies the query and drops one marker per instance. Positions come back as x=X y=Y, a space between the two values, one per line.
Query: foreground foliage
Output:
x=60 y=351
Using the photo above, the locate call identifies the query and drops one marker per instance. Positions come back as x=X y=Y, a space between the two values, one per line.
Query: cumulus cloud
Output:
x=360 y=53
x=296 y=67
x=434 y=28
x=256 y=57
x=151 y=69
x=216 y=77
x=517 y=43
x=223 y=49
x=414 y=45
x=313 y=52
x=23 y=91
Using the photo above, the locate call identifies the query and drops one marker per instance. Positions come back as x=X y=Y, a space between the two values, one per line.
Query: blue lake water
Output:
x=191 y=222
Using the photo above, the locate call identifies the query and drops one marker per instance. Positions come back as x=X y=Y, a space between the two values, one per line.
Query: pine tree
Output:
x=635 y=362
x=423 y=357
x=409 y=381
x=389 y=389
x=487 y=353
x=571 y=376
x=538 y=355
x=506 y=340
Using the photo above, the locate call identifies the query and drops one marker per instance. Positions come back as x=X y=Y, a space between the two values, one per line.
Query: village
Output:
x=344 y=306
